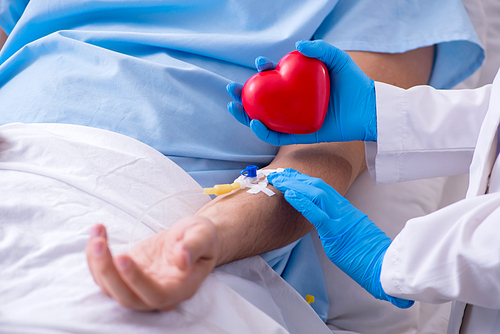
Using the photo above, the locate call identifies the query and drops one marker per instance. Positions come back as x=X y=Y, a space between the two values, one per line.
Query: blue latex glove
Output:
x=350 y=239
x=351 y=111
x=234 y=89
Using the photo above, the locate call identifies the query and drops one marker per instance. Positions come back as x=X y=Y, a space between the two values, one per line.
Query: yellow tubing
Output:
x=220 y=189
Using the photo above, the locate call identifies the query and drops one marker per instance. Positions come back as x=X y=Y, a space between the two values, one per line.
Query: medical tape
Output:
x=259 y=183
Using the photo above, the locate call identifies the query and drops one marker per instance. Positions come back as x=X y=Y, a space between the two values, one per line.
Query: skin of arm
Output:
x=271 y=222
x=168 y=268
x=3 y=38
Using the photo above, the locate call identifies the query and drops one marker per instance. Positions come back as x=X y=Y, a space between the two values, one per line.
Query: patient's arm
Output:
x=3 y=38
x=168 y=268
x=404 y=70
x=270 y=222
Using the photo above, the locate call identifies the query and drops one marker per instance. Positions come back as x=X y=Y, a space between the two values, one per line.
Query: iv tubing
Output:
x=218 y=189
x=164 y=198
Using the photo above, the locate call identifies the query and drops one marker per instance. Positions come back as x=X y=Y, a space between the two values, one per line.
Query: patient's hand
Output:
x=159 y=272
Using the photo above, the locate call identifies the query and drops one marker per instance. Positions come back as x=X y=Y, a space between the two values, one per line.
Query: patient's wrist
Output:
x=251 y=224
x=215 y=214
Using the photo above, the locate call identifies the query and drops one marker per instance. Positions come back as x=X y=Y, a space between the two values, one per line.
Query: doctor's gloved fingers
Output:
x=315 y=215
x=264 y=64
x=295 y=180
x=288 y=179
x=281 y=138
x=303 y=186
x=236 y=109
x=334 y=58
x=269 y=136
x=234 y=89
x=399 y=302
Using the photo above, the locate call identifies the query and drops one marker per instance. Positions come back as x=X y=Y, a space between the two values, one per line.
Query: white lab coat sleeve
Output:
x=451 y=254
x=423 y=132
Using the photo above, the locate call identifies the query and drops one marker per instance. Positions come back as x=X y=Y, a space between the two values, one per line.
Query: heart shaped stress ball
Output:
x=293 y=98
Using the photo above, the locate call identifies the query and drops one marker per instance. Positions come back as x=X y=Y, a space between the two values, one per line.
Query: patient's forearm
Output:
x=252 y=224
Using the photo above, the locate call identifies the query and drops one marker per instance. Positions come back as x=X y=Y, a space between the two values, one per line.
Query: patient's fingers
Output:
x=166 y=270
x=109 y=278
x=198 y=243
x=155 y=295
x=183 y=258
x=96 y=231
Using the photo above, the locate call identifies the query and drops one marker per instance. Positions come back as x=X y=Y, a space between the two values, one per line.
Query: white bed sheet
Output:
x=56 y=181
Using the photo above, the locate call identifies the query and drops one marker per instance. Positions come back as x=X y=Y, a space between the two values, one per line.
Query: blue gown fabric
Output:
x=156 y=70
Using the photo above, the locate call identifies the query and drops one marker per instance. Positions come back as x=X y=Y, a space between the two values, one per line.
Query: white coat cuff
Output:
x=391 y=108
x=390 y=276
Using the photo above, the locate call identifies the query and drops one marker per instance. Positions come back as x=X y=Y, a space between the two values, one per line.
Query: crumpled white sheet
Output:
x=56 y=181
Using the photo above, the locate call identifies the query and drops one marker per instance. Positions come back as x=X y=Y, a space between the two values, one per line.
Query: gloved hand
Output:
x=351 y=111
x=234 y=89
x=350 y=239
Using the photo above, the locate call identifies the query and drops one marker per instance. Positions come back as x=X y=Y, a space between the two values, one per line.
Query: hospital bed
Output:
x=83 y=176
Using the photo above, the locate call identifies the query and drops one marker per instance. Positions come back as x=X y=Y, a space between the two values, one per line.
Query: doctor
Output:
x=452 y=254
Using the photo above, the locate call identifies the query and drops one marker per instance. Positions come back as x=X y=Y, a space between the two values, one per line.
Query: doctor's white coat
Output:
x=453 y=253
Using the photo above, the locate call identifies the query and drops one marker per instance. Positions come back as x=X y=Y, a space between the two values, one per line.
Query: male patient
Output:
x=157 y=73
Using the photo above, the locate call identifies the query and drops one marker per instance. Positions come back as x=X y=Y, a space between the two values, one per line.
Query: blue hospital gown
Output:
x=156 y=70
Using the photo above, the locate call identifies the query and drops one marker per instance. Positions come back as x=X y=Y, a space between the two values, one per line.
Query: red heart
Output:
x=292 y=98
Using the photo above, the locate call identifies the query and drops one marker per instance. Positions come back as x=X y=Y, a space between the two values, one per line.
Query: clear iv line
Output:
x=152 y=206
x=218 y=189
